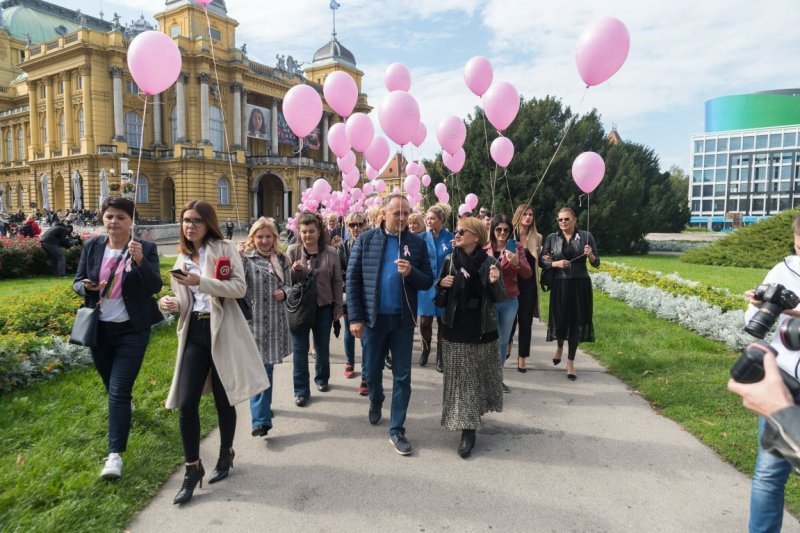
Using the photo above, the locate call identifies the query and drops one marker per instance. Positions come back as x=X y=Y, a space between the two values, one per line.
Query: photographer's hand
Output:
x=755 y=303
x=769 y=395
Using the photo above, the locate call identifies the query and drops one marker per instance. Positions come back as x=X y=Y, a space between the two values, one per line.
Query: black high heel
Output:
x=194 y=475
x=224 y=464
x=467 y=443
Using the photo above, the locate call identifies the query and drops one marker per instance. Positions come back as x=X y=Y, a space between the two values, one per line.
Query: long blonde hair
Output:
x=257 y=226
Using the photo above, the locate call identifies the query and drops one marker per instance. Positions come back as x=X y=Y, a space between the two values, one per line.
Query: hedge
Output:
x=25 y=257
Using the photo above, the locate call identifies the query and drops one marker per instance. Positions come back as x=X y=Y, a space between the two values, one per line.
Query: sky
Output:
x=683 y=52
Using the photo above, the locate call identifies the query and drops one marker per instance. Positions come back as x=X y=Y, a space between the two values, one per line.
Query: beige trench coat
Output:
x=233 y=348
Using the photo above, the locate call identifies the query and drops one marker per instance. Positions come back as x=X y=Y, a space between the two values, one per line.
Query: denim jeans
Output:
x=506 y=313
x=322 y=343
x=118 y=358
x=55 y=251
x=261 y=403
x=349 y=344
x=767 y=489
x=388 y=334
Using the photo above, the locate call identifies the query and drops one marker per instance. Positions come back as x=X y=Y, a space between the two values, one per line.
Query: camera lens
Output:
x=763 y=320
x=749 y=368
x=790 y=333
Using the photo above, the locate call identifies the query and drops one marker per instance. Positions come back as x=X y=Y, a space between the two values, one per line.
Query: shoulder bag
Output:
x=301 y=304
x=440 y=300
x=84 y=328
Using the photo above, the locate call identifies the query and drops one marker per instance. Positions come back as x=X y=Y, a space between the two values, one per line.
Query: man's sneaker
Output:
x=363 y=390
x=375 y=413
x=401 y=445
x=113 y=467
x=348 y=371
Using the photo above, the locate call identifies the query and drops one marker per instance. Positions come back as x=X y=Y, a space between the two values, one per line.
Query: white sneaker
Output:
x=113 y=467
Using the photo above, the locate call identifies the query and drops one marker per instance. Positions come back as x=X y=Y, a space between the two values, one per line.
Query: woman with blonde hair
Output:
x=375 y=215
x=416 y=223
x=356 y=224
x=529 y=241
x=266 y=270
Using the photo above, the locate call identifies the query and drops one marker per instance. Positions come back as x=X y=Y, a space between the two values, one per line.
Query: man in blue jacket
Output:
x=388 y=265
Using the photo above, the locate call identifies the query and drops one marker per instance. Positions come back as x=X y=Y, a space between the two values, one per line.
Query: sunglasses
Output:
x=192 y=221
x=461 y=231
x=356 y=225
x=565 y=219
x=502 y=230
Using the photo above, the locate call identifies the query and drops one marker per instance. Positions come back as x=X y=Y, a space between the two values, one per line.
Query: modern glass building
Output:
x=747 y=163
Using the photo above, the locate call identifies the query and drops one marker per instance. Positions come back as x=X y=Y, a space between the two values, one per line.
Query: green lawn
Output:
x=735 y=279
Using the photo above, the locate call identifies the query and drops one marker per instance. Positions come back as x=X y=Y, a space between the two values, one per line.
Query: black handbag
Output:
x=546 y=279
x=244 y=305
x=84 y=328
x=440 y=300
x=301 y=304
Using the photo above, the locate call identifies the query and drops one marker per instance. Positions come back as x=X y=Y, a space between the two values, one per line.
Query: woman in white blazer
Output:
x=216 y=350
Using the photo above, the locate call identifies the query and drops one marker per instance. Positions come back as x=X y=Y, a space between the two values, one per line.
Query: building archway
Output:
x=58 y=193
x=271 y=197
x=168 y=201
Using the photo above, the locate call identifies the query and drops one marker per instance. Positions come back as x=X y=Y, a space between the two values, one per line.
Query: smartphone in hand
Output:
x=511 y=246
x=177 y=272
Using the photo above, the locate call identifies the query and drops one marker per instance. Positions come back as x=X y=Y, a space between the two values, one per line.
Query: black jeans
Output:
x=118 y=358
x=195 y=365
x=55 y=251
x=525 y=314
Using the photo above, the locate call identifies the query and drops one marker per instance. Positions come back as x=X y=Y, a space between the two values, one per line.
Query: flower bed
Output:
x=24 y=257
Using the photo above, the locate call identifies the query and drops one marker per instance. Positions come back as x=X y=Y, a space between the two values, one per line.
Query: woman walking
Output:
x=268 y=282
x=529 y=241
x=439 y=241
x=121 y=276
x=213 y=338
x=313 y=257
x=566 y=252
x=356 y=223
x=473 y=380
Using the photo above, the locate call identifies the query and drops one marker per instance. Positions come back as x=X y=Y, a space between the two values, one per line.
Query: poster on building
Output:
x=285 y=135
x=312 y=140
x=258 y=122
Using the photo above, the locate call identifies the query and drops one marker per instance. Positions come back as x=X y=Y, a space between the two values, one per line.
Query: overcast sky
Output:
x=683 y=52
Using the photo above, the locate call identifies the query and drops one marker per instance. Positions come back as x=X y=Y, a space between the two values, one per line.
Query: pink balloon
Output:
x=399 y=116
x=478 y=74
x=471 y=201
x=356 y=193
x=602 y=49
x=371 y=173
x=445 y=198
x=321 y=187
x=501 y=104
x=588 y=170
x=341 y=92
x=421 y=170
x=203 y=2
x=426 y=180
x=337 y=139
x=377 y=153
x=451 y=133
x=367 y=189
x=502 y=151
x=455 y=162
x=440 y=190
x=419 y=135
x=397 y=77
x=411 y=168
x=411 y=184
x=463 y=209
x=302 y=108
x=154 y=61
x=346 y=162
x=380 y=186
x=360 y=131
x=351 y=177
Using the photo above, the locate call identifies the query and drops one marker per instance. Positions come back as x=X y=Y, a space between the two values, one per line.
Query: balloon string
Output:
x=138 y=166
x=224 y=123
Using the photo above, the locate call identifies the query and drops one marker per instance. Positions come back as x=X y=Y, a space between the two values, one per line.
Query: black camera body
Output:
x=749 y=368
x=776 y=299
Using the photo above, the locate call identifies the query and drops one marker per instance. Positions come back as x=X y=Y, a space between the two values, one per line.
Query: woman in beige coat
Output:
x=216 y=350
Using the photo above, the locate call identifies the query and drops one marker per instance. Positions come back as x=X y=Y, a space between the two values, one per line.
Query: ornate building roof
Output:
x=37 y=21
x=334 y=52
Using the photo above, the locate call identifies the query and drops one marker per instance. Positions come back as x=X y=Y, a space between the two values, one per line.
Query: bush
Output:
x=28 y=357
x=761 y=245
x=674 y=246
x=25 y=258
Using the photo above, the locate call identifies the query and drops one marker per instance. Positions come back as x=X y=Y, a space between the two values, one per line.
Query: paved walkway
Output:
x=562 y=456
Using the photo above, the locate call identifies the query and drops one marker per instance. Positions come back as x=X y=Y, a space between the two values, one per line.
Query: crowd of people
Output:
x=244 y=307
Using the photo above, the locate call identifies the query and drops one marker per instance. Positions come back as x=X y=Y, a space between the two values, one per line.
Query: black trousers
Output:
x=195 y=366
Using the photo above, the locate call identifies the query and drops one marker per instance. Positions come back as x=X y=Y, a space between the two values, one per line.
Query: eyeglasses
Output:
x=194 y=222
x=565 y=219
x=502 y=230
x=461 y=231
x=356 y=225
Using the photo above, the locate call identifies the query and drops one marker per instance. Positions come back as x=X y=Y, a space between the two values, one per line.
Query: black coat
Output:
x=138 y=286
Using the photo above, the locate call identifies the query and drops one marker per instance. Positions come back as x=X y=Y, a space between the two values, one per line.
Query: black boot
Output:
x=439 y=363
x=194 y=475
x=423 y=358
x=467 y=443
x=224 y=463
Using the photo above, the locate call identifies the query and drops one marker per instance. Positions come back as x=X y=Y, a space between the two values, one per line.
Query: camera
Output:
x=749 y=368
x=776 y=299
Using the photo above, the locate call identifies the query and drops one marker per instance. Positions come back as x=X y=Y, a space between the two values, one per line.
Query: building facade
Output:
x=71 y=116
x=746 y=166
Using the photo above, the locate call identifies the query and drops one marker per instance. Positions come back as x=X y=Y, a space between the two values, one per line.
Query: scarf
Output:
x=467 y=271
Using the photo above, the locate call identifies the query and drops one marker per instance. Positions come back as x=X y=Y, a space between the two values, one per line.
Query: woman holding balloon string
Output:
x=567 y=251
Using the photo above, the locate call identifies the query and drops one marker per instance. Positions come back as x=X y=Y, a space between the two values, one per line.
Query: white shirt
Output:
x=202 y=301
x=787 y=273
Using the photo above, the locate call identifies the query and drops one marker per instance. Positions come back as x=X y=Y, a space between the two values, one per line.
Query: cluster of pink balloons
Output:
x=469 y=205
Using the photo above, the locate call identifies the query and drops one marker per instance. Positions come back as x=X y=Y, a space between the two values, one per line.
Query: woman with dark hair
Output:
x=513 y=265
x=268 y=284
x=473 y=381
x=213 y=338
x=313 y=257
x=256 y=125
x=529 y=241
x=120 y=275
x=566 y=251
x=439 y=241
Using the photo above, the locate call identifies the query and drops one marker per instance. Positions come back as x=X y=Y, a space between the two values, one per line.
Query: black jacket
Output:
x=138 y=286
x=58 y=235
x=492 y=293
x=553 y=247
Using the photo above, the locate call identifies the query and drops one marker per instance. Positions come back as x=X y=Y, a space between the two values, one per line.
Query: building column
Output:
x=274 y=127
x=243 y=128
x=157 y=141
x=49 y=117
x=180 y=113
x=325 y=119
x=33 y=142
x=119 y=125
x=88 y=116
x=66 y=78
x=287 y=209
x=204 y=78
x=236 y=89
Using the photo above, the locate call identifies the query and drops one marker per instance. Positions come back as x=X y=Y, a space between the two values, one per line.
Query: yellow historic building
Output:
x=72 y=121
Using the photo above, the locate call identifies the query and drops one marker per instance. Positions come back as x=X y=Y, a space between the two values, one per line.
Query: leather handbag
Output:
x=84 y=328
x=440 y=300
x=301 y=304
x=546 y=279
